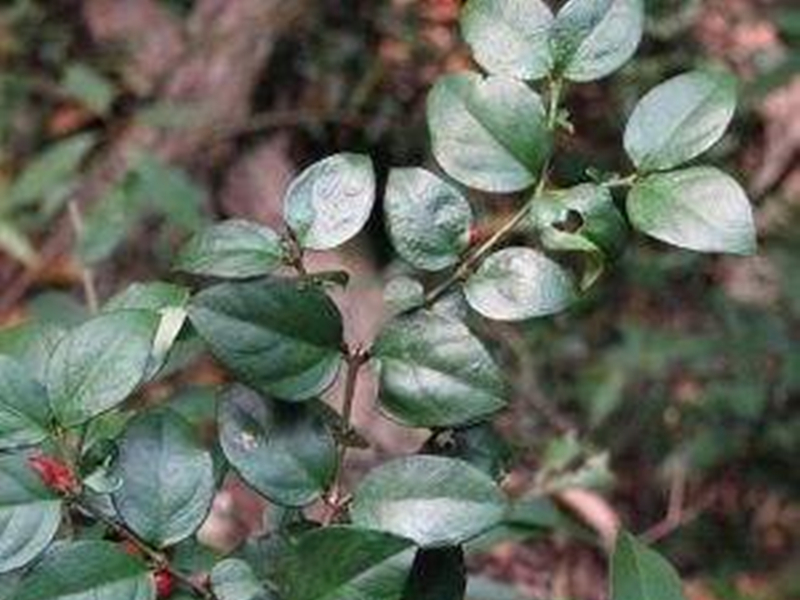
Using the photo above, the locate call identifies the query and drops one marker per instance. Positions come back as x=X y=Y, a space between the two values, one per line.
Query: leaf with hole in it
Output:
x=331 y=201
x=235 y=249
x=30 y=514
x=87 y=570
x=346 y=563
x=428 y=219
x=594 y=38
x=437 y=574
x=680 y=119
x=283 y=450
x=24 y=408
x=167 y=478
x=488 y=133
x=639 y=573
x=699 y=208
x=234 y=579
x=584 y=220
x=509 y=38
x=279 y=336
x=435 y=373
x=433 y=500
x=99 y=364
x=519 y=283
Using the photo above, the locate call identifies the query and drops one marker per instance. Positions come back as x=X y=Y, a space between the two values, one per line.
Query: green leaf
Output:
x=584 y=220
x=639 y=573
x=432 y=500
x=700 y=208
x=89 y=87
x=167 y=478
x=480 y=445
x=680 y=119
x=437 y=574
x=519 y=283
x=167 y=190
x=108 y=222
x=30 y=514
x=428 y=219
x=435 y=373
x=99 y=364
x=232 y=249
x=278 y=336
x=488 y=133
x=509 y=38
x=594 y=38
x=24 y=408
x=31 y=344
x=403 y=293
x=89 y=570
x=150 y=295
x=331 y=201
x=345 y=563
x=52 y=172
x=233 y=579
x=285 y=451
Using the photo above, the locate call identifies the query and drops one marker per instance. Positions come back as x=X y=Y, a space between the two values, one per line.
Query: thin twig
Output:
x=87 y=275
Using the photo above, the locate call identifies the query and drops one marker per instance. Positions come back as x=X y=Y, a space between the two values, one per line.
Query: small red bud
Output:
x=55 y=474
x=165 y=583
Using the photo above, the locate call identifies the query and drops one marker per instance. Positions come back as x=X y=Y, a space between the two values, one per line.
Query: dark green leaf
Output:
x=233 y=579
x=31 y=345
x=437 y=574
x=232 y=249
x=331 y=201
x=700 y=208
x=344 y=563
x=52 y=172
x=519 y=283
x=435 y=373
x=509 y=38
x=285 y=451
x=428 y=219
x=680 y=119
x=278 y=336
x=24 y=408
x=29 y=513
x=167 y=478
x=488 y=133
x=99 y=364
x=594 y=38
x=432 y=500
x=88 y=570
x=639 y=573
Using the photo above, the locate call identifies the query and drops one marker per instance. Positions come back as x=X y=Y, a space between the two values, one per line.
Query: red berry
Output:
x=165 y=583
x=55 y=474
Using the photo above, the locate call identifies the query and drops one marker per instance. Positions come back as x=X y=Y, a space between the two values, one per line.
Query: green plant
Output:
x=72 y=457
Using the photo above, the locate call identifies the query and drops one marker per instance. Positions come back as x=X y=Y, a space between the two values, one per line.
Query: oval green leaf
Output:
x=284 y=451
x=509 y=38
x=428 y=219
x=433 y=500
x=279 y=336
x=167 y=478
x=519 y=283
x=331 y=201
x=435 y=373
x=680 y=119
x=639 y=573
x=87 y=571
x=488 y=133
x=594 y=38
x=234 y=249
x=30 y=514
x=701 y=209
x=24 y=407
x=99 y=364
x=345 y=563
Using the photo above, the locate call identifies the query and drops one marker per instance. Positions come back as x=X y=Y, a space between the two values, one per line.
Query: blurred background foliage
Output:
x=669 y=396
